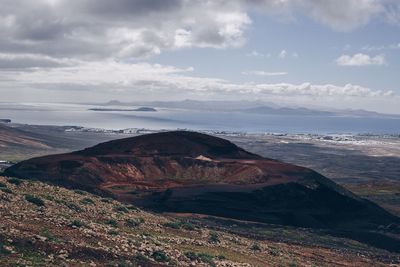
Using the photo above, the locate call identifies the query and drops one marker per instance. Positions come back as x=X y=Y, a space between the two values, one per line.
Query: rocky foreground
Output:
x=44 y=225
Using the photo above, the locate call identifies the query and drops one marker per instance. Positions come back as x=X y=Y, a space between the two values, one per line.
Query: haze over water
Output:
x=79 y=115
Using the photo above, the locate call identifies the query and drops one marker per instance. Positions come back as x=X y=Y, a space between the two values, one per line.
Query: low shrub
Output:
x=50 y=197
x=15 y=181
x=173 y=225
x=112 y=222
x=87 y=201
x=141 y=258
x=6 y=190
x=221 y=257
x=213 y=237
x=34 y=200
x=203 y=257
x=121 y=208
x=134 y=222
x=77 y=223
x=46 y=233
x=113 y=232
x=255 y=247
x=72 y=206
x=106 y=200
x=80 y=192
x=188 y=226
x=3 y=250
x=132 y=207
x=160 y=256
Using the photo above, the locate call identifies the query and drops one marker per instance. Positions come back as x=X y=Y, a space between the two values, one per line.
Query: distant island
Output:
x=147 y=109
x=287 y=111
x=5 y=121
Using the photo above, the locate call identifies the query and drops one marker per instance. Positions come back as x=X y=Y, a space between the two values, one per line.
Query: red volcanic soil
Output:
x=159 y=161
x=191 y=172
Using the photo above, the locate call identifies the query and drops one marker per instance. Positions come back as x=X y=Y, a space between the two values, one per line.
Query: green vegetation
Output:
x=80 y=192
x=141 y=258
x=173 y=225
x=106 y=200
x=32 y=255
x=202 y=257
x=213 y=238
x=188 y=226
x=121 y=208
x=255 y=247
x=113 y=232
x=160 y=256
x=46 y=233
x=77 y=223
x=6 y=190
x=112 y=222
x=135 y=222
x=87 y=201
x=51 y=198
x=15 y=181
x=34 y=200
x=72 y=206
x=3 y=250
x=132 y=207
x=221 y=257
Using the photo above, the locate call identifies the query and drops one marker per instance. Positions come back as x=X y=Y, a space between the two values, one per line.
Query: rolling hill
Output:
x=188 y=172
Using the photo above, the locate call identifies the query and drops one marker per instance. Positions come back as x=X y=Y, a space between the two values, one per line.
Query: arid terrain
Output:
x=368 y=165
x=44 y=225
x=259 y=133
x=365 y=165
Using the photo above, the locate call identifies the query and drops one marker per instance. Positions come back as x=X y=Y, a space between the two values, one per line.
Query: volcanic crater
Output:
x=190 y=172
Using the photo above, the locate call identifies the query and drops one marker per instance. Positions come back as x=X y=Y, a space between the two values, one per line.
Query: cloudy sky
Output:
x=331 y=53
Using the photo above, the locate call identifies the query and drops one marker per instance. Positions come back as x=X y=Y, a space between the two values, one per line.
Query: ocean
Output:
x=165 y=118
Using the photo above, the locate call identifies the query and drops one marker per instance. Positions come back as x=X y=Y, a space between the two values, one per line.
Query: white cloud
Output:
x=393 y=14
x=139 y=78
x=264 y=73
x=255 y=53
x=360 y=60
x=394 y=46
x=139 y=29
x=380 y=47
x=370 y=48
x=121 y=28
x=79 y=45
x=339 y=15
x=343 y=15
x=282 y=54
x=27 y=61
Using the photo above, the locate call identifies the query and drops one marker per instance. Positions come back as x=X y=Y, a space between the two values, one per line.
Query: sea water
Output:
x=164 y=118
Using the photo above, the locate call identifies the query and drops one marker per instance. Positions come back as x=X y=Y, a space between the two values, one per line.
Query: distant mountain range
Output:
x=146 y=109
x=192 y=104
x=287 y=111
x=251 y=107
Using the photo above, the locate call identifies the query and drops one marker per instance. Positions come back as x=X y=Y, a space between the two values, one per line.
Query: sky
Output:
x=331 y=54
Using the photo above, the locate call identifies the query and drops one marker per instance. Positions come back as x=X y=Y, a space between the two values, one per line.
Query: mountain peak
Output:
x=173 y=143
